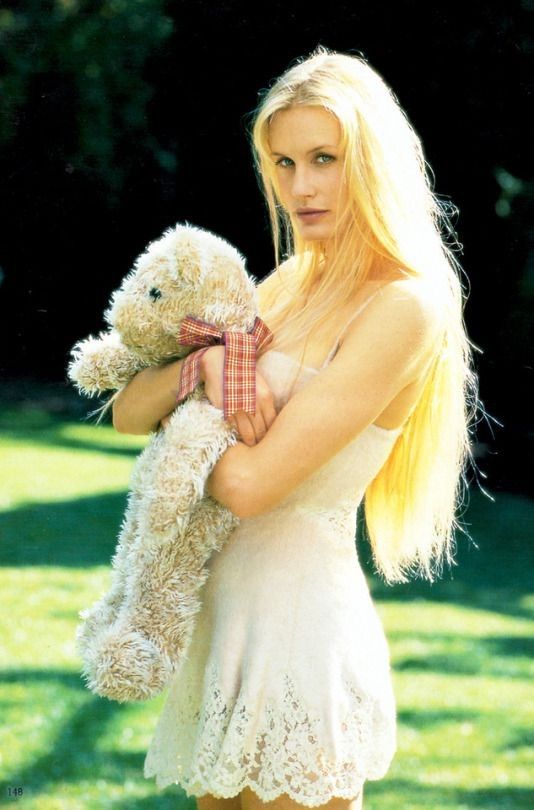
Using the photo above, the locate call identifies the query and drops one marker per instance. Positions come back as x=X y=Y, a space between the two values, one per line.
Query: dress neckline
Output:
x=317 y=371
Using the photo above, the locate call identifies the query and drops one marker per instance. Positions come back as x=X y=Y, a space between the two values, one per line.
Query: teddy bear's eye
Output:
x=155 y=294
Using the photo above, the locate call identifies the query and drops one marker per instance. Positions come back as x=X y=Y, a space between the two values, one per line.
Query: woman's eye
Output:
x=322 y=158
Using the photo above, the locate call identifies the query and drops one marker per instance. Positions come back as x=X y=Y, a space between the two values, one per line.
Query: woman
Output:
x=367 y=389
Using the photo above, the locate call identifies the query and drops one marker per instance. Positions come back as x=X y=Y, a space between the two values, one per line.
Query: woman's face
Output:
x=305 y=148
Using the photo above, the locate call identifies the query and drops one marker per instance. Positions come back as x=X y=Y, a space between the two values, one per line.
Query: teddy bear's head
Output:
x=187 y=271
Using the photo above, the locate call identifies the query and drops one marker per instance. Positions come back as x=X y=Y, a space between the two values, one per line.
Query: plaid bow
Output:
x=239 y=371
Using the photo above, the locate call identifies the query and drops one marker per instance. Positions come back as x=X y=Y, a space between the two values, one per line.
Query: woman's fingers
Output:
x=166 y=419
x=264 y=403
x=253 y=427
x=259 y=424
x=245 y=427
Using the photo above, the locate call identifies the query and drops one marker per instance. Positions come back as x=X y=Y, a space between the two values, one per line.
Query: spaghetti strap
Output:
x=335 y=347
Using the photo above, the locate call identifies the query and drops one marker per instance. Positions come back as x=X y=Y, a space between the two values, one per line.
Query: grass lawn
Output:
x=459 y=647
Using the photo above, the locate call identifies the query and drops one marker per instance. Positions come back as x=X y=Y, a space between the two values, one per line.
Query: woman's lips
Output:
x=310 y=216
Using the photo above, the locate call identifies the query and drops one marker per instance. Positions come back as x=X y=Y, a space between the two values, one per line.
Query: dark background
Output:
x=122 y=117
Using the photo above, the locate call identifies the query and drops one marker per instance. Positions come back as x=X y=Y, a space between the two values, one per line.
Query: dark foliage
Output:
x=122 y=117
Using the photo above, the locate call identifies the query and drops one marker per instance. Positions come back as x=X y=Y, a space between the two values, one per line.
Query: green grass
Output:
x=459 y=647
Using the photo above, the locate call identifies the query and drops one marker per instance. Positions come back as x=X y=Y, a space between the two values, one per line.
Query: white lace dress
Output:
x=287 y=685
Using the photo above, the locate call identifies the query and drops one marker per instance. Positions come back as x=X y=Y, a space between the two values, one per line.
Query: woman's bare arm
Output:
x=147 y=399
x=150 y=398
x=383 y=351
x=151 y=395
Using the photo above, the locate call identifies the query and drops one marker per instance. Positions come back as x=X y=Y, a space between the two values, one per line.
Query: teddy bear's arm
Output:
x=102 y=364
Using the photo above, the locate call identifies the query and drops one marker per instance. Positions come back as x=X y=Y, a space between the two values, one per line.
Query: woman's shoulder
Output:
x=416 y=291
x=410 y=300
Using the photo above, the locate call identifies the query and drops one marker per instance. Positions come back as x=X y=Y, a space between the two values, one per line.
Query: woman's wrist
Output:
x=147 y=398
x=207 y=359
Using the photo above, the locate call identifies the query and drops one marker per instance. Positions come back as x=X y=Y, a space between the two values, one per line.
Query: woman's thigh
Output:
x=209 y=802
x=250 y=801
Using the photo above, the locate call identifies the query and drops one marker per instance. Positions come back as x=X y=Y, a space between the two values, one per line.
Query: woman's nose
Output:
x=302 y=182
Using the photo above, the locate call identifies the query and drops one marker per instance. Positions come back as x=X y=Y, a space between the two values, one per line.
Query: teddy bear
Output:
x=137 y=634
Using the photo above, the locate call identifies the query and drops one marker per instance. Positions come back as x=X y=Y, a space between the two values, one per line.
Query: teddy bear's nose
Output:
x=155 y=293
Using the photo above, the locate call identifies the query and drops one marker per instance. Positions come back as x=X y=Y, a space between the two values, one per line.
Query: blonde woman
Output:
x=367 y=391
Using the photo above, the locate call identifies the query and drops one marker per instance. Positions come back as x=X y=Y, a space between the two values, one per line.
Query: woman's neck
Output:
x=381 y=271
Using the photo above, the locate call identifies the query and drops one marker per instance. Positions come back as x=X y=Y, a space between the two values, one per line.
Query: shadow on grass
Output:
x=492 y=657
x=520 y=738
x=429 y=719
x=428 y=797
x=74 y=533
x=66 y=678
x=173 y=797
x=45 y=429
x=73 y=753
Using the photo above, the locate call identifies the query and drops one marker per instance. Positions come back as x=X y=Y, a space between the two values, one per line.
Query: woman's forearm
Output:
x=150 y=396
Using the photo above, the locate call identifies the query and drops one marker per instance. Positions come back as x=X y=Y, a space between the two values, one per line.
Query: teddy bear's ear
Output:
x=180 y=254
x=192 y=251
x=218 y=271
x=102 y=364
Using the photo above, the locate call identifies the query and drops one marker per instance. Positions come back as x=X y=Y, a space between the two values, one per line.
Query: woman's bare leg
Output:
x=209 y=802
x=250 y=801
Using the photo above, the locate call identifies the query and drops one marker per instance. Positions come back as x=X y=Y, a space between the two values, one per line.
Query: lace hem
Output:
x=201 y=789
x=273 y=750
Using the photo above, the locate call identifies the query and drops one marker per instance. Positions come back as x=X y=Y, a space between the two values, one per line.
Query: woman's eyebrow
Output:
x=315 y=149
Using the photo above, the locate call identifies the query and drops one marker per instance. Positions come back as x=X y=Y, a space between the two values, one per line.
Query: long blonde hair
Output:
x=393 y=215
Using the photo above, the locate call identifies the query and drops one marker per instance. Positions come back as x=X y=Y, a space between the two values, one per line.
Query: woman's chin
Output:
x=311 y=234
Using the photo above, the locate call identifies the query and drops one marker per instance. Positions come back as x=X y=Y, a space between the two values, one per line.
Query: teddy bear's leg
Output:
x=177 y=531
x=195 y=438
x=149 y=641
x=103 y=613
x=170 y=620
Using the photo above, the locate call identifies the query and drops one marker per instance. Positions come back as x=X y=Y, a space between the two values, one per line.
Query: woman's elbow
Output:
x=230 y=488
x=238 y=509
x=244 y=501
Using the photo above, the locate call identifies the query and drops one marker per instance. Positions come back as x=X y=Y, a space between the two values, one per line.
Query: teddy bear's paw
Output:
x=102 y=363
x=127 y=667
x=87 y=631
x=96 y=620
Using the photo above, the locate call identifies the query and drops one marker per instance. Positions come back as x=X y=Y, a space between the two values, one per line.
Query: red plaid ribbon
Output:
x=239 y=371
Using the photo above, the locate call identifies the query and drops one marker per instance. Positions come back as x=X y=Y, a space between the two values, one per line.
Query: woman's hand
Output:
x=251 y=427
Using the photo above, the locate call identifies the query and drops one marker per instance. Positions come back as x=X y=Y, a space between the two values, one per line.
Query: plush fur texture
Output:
x=136 y=636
